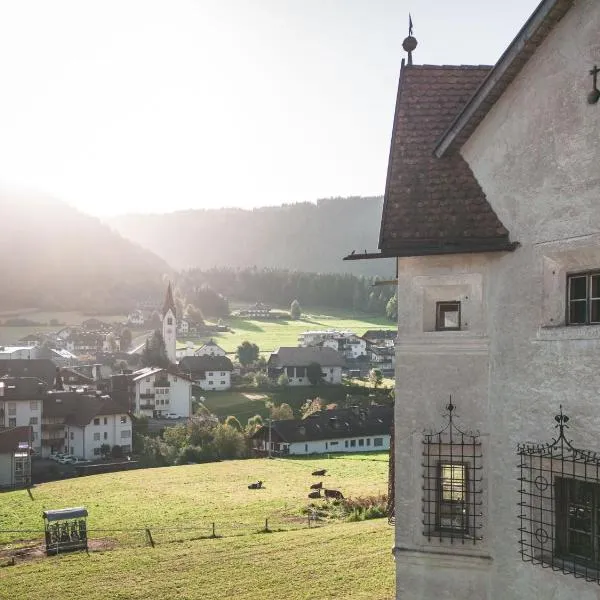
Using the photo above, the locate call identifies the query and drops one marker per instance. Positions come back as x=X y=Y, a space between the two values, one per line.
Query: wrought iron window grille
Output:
x=560 y=505
x=452 y=476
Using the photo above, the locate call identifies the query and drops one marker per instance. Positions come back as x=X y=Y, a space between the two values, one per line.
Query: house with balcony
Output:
x=15 y=458
x=159 y=391
x=209 y=372
x=211 y=348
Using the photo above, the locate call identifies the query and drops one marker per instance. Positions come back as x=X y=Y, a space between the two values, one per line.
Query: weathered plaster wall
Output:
x=537 y=157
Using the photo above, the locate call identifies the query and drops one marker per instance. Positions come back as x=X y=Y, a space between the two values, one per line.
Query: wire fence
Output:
x=26 y=543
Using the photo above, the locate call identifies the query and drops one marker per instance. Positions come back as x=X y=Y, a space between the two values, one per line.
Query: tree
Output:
x=254 y=423
x=105 y=450
x=116 y=451
x=154 y=353
x=295 y=310
x=314 y=373
x=229 y=442
x=247 y=353
x=391 y=309
x=375 y=377
x=283 y=412
x=310 y=407
x=232 y=421
x=126 y=339
x=154 y=321
x=194 y=314
x=261 y=381
x=283 y=380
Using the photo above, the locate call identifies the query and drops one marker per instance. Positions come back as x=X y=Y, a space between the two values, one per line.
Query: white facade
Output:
x=19 y=413
x=159 y=392
x=183 y=327
x=169 y=326
x=297 y=375
x=14 y=352
x=515 y=359
x=85 y=442
x=375 y=443
x=136 y=317
x=313 y=338
x=215 y=381
x=210 y=349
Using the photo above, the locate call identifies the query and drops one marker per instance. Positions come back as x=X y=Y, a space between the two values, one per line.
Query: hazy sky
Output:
x=159 y=105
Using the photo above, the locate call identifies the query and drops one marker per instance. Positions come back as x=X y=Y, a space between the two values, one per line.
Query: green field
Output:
x=247 y=404
x=10 y=335
x=178 y=504
x=269 y=335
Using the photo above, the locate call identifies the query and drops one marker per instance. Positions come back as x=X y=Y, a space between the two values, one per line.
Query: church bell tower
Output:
x=169 y=325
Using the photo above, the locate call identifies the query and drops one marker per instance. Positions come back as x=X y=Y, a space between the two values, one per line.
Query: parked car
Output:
x=78 y=461
x=170 y=416
x=56 y=456
x=65 y=459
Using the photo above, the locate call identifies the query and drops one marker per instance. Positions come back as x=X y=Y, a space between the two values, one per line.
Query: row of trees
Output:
x=210 y=288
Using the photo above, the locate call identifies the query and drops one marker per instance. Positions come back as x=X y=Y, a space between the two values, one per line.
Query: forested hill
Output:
x=305 y=237
x=55 y=257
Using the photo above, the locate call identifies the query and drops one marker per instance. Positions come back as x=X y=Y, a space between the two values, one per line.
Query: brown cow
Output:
x=316 y=486
x=255 y=486
x=336 y=494
x=316 y=494
x=320 y=473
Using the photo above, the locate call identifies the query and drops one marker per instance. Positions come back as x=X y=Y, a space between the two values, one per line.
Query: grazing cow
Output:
x=316 y=486
x=320 y=473
x=255 y=486
x=316 y=494
x=336 y=494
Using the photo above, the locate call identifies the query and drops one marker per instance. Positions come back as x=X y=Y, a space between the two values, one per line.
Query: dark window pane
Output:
x=594 y=286
x=594 y=311
x=577 y=311
x=578 y=287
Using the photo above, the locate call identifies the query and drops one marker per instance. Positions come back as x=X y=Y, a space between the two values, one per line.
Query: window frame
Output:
x=440 y=311
x=440 y=502
x=587 y=300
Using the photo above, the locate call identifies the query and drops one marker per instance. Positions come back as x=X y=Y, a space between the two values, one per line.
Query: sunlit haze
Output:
x=158 y=105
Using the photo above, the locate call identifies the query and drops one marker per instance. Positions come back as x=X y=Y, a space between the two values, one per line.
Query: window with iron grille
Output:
x=583 y=299
x=447 y=316
x=560 y=505
x=452 y=492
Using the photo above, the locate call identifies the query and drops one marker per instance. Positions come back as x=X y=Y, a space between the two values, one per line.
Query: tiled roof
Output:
x=331 y=424
x=434 y=205
x=302 y=357
x=42 y=368
x=10 y=438
x=79 y=409
x=192 y=364
x=22 y=388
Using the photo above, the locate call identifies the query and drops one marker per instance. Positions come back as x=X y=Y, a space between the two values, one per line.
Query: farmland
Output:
x=337 y=560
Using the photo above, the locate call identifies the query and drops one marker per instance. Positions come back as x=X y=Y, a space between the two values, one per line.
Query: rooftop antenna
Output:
x=409 y=43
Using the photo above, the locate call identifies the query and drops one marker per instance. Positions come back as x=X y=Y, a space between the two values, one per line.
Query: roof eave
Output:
x=429 y=249
x=503 y=73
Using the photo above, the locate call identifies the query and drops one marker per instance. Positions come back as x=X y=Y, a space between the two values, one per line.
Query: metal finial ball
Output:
x=409 y=44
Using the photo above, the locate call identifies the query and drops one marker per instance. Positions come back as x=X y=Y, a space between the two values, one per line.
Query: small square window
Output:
x=97 y=421
x=96 y=437
x=105 y=435
x=583 y=299
x=123 y=419
x=33 y=420
x=378 y=442
x=361 y=442
x=353 y=443
x=447 y=316
x=105 y=420
x=33 y=405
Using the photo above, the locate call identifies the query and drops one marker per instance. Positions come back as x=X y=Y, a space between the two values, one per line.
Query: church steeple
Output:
x=169 y=302
x=169 y=325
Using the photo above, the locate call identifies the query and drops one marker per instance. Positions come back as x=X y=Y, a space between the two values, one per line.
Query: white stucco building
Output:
x=209 y=372
x=21 y=406
x=15 y=352
x=294 y=362
x=159 y=391
x=355 y=429
x=492 y=208
x=211 y=348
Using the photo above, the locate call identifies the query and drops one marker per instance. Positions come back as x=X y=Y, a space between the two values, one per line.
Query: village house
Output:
x=209 y=372
x=316 y=337
x=380 y=337
x=21 y=406
x=18 y=352
x=211 y=348
x=161 y=391
x=80 y=424
x=41 y=368
x=136 y=318
x=355 y=429
x=256 y=311
x=294 y=362
x=491 y=209
x=15 y=458
x=351 y=347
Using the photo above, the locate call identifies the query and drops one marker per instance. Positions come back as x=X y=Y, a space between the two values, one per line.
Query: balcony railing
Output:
x=147 y=406
x=147 y=396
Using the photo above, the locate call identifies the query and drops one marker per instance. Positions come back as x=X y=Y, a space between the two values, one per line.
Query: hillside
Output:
x=334 y=560
x=305 y=237
x=57 y=258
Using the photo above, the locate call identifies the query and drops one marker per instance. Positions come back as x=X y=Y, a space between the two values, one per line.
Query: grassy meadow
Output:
x=178 y=504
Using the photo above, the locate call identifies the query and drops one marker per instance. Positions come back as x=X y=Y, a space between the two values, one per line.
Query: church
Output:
x=492 y=212
x=169 y=325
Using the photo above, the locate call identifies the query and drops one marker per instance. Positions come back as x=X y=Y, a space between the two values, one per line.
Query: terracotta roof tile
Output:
x=429 y=201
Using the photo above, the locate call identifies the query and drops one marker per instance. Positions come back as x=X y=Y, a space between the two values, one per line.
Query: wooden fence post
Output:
x=214 y=533
x=149 y=537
